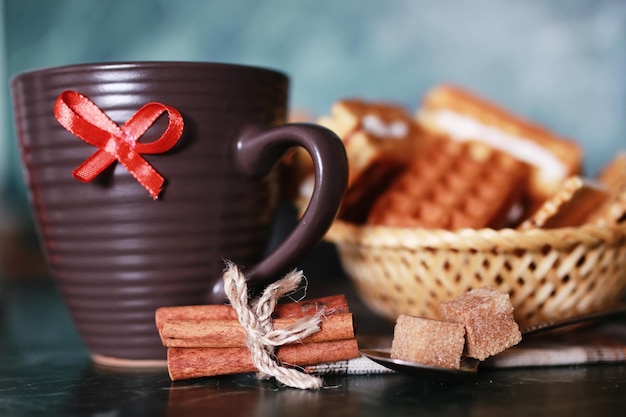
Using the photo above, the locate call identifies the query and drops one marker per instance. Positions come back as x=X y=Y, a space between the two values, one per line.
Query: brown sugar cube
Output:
x=428 y=341
x=487 y=315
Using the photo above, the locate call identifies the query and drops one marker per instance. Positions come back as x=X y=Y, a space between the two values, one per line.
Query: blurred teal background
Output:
x=559 y=63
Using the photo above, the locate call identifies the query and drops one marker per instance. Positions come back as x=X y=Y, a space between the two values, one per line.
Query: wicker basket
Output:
x=549 y=274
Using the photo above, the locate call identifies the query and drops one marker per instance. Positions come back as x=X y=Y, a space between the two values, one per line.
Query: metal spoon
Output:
x=469 y=366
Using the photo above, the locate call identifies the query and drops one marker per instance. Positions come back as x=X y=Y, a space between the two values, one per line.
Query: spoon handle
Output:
x=552 y=325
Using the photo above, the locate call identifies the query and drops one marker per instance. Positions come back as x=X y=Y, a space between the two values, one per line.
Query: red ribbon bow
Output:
x=86 y=120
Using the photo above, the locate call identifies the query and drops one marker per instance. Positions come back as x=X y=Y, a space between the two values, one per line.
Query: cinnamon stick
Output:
x=331 y=304
x=187 y=363
x=230 y=333
x=334 y=304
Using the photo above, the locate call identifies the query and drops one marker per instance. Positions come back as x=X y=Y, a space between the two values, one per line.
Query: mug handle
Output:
x=256 y=152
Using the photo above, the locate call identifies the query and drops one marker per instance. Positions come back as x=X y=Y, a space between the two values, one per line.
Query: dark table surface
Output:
x=46 y=371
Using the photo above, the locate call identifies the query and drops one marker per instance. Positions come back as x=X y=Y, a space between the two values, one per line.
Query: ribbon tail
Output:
x=93 y=166
x=147 y=176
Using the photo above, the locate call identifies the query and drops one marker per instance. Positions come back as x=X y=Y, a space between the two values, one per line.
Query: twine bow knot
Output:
x=256 y=318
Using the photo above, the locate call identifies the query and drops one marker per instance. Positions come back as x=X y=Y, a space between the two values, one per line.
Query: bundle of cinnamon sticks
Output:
x=208 y=340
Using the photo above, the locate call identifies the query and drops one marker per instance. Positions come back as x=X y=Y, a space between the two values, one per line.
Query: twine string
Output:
x=256 y=318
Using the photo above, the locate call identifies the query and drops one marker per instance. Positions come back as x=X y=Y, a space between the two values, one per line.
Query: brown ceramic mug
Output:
x=116 y=253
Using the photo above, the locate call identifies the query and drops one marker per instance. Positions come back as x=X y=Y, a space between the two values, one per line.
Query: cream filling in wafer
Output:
x=460 y=127
x=375 y=126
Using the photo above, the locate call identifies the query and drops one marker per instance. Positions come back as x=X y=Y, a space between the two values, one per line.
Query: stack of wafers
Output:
x=471 y=195
x=463 y=162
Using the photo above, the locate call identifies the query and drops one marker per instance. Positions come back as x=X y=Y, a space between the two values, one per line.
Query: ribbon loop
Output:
x=86 y=120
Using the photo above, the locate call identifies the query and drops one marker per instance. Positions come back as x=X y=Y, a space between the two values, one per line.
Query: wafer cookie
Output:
x=576 y=201
x=464 y=116
x=453 y=185
x=380 y=139
x=614 y=177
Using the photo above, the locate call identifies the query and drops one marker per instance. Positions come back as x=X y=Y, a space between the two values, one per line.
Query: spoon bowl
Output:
x=469 y=366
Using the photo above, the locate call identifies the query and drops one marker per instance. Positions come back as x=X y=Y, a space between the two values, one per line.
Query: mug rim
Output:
x=120 y=65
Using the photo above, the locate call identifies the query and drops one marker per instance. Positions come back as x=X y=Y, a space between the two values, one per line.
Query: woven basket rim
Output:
x=348 y=234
